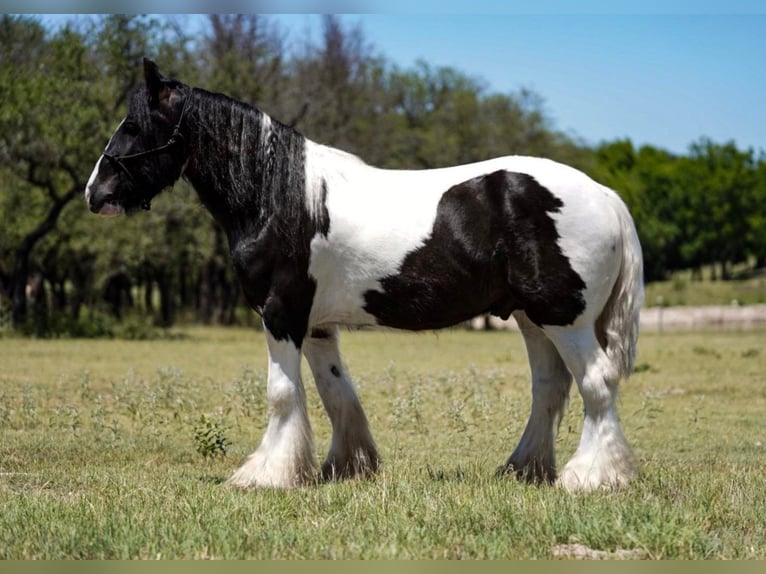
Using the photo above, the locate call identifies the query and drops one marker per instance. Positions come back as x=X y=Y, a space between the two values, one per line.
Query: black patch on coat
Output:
x=323 y=217
x=276 y=282
x=318 y=333
x=493 y=249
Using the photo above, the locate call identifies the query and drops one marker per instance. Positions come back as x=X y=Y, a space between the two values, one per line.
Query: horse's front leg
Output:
x=352 y=450
x=285 y=457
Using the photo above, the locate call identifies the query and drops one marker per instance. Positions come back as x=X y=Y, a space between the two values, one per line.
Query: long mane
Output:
x=257 y=160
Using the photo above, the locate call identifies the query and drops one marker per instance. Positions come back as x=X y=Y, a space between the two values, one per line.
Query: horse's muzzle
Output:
x=109 y=210
x=103 y=204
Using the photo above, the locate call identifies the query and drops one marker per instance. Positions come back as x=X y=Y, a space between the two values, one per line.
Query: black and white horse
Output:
x=320 y=239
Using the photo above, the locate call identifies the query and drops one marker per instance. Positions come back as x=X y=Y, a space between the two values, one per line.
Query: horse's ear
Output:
x=154 y=81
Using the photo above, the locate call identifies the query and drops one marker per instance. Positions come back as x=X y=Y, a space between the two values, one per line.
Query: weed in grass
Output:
x=29 y=416
x=457 y=416
x=98 y=416
x=6 y=411
x=706 y=351
x=85 y=390
x=169 y=380
x=642 y=368
x=443 y=475
x=696 y=410
x=209 y=437
x=125 y=395
x=649 y=411
x=250 y=393
x=67 y=418
x=407 y=410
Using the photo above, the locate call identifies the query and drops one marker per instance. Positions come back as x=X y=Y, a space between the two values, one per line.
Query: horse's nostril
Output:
x=105 y=205
x=98 y=200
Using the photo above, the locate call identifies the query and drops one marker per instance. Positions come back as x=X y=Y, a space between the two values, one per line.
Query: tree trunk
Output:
x=184 y=280
x=19 y=283
x=725 y=271
x=58 y=293
x=148 y=295
x=206 y=292
x=167 y=311
x=230 y=317
x=23 y=252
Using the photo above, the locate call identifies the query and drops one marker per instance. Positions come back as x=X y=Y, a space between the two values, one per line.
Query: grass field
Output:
x=103 y=442
x=684 y=291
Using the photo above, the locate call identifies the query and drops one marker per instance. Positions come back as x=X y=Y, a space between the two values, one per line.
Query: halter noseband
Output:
x=175 y=138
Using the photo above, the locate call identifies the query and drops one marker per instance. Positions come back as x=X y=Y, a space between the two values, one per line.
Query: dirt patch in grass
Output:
x=578 y=551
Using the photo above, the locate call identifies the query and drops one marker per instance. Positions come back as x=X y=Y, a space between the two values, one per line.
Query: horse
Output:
x=320 y=239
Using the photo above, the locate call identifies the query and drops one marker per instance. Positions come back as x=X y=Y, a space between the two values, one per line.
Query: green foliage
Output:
x=702 y=209
x=686 y=288
x=60 y=324
x=209 y=438
x=64 y=90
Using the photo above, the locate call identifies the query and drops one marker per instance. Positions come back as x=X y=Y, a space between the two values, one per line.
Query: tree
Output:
x=705 y=208
x=43 y=123
x=63 y=91
x=61 y=96
x=720 y=181
x=645 y=180
x=243 y=55
x=332 y=87
x=756 y=209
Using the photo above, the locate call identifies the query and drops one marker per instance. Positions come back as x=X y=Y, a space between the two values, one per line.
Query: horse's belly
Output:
x=355 y=288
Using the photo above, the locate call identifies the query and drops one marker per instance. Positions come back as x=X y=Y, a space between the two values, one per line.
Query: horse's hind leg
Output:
x=603 y=457
x=352 y=450
x=534 y=458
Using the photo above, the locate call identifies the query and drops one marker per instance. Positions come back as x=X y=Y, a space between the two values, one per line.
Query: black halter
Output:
x=175 y=138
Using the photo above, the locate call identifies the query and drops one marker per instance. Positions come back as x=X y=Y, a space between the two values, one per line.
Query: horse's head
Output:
x=147 y=152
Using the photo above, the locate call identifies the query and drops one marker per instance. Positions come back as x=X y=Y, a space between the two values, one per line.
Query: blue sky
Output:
x=659 y=72
x=660 y=79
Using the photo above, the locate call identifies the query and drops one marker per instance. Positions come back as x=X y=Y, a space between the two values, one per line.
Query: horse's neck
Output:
x=244 y=165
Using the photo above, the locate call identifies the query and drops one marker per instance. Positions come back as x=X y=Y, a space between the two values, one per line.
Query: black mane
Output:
x=246 y=167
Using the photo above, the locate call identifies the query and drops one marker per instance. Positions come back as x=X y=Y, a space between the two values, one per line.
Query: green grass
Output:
x=100 y=454
x=683 y=290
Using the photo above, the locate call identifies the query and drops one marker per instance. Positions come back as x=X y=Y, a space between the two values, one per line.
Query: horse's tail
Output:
x=618 y=322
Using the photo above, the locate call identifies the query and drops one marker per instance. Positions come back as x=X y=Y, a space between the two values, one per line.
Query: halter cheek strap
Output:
x=175 y=138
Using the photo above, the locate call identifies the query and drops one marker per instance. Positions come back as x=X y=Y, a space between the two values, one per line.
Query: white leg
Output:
x=534 y=458
x=352 y=450
x=603 y=457
x=285 y=457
